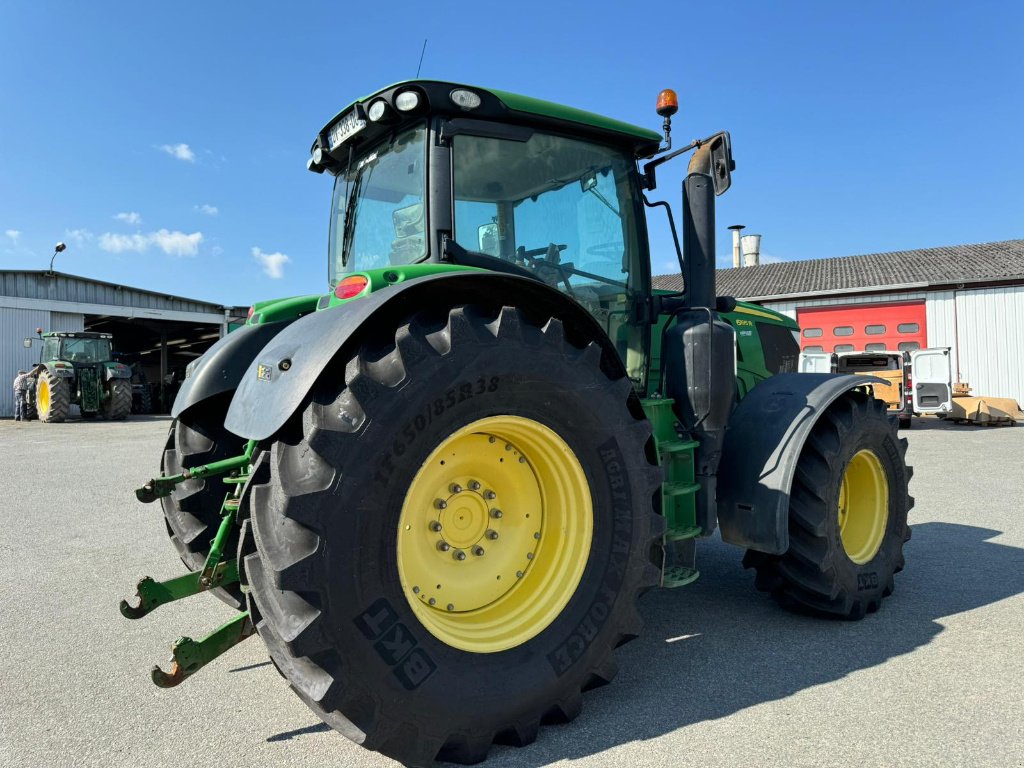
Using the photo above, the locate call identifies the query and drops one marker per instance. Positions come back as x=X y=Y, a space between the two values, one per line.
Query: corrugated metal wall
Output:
x=15 y=325
x=990 y=325
x=988 y=321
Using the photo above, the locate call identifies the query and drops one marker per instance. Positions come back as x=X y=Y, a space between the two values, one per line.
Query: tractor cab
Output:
x=431 y=172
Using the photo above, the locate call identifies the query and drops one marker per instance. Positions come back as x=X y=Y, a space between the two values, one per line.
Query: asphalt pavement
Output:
x=720 y=677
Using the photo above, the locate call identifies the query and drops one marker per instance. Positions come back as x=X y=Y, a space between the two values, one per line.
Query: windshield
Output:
x=560 y=207
x=85 y=350
x=378 y=216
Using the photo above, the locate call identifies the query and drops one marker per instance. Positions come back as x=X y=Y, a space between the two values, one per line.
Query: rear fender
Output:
x=286 y=369
x=763 y=442
x=221 y=367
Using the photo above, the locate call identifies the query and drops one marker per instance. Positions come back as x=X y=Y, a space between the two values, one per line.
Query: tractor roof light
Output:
x=465 y=99
x=407 y=101
x=668 y=103
x=351 y=286
x=378 y=110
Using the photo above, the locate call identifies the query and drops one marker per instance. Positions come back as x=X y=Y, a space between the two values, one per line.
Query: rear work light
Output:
x=351 y=286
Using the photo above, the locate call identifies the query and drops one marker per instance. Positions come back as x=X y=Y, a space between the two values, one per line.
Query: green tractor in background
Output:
x=437 y=491
x=79 y=369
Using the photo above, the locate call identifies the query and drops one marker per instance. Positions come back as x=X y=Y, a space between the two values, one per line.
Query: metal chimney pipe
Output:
x=751 y=250
x=736 y=264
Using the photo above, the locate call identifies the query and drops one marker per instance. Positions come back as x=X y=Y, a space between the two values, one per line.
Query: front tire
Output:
x=397 y=468
x=192 y=511
x=118 y=404
x=847 y=515
x=53 y=398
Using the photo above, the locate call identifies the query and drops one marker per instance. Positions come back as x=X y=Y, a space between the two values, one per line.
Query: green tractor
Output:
x=79 y=369
x=437 y=491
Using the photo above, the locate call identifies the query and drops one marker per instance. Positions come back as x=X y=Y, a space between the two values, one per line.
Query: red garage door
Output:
x=863 y=327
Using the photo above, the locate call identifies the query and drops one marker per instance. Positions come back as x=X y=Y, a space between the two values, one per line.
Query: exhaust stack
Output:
x=736 y=262
x=751 y=250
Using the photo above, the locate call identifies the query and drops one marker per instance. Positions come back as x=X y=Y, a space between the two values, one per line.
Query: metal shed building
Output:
x=969 y=298
x=160 y=332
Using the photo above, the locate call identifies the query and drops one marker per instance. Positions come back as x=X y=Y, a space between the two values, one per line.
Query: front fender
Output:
x=284 y=371
x=763 y=442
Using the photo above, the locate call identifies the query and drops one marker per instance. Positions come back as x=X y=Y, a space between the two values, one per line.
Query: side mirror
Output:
x=27 y=343
x=487 y=239
x=714 y=158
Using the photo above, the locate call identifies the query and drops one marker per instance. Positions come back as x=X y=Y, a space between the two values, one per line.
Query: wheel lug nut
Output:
x=491 y=534
x=444 y=546
x=536 y=535
x=491 y=439
x=508 y=446
x=474 y=485
x=522 y=459
x=519 y=574
x=415 y=590
x=478 y=551
x=490 y=495
x=529 y=555
x=432 y=601
x=459 y=555
x=451 y=607
x=496 y=513
x=455 y=488
x=435 y=525
x=440 y=503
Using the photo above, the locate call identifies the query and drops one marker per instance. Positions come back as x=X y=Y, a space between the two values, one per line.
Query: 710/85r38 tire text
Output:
x=451 y=543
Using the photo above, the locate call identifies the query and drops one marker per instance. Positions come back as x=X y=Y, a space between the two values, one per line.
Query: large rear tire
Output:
x=53 y=398
x=119 y=403
x=847 y=515
x=453 y=536
x=192 y=511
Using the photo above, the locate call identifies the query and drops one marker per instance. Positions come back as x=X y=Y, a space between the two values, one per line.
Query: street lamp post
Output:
x=56 y=249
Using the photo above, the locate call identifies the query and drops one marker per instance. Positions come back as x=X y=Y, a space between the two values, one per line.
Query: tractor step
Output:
x=680 y=560
x=188 y=656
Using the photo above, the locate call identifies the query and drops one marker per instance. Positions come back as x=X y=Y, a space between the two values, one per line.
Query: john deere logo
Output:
x=263 y=372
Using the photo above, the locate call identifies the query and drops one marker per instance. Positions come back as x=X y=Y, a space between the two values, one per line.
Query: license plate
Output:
x=345 y=129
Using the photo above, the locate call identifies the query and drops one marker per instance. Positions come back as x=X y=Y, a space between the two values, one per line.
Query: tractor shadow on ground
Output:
x=719 y=647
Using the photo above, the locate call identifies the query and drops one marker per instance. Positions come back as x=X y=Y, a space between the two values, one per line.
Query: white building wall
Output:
x=987 y=322
x=990 y=323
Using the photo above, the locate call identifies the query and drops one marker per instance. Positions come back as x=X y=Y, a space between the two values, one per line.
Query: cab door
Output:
x=815 y=362
x=932 y=375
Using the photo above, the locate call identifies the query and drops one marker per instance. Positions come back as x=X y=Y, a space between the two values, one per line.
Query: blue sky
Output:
x=166 y=142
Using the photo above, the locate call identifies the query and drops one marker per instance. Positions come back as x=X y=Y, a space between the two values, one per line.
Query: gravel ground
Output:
x=721 y=677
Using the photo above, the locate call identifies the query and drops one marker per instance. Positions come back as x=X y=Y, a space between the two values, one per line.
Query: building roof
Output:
x=60 y=286
x=919 y=268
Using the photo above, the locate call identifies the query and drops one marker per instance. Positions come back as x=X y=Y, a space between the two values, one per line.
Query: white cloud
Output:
x=209 y=210
x=177 y=243
x=131 y=217
x=172 y=243
x=216 y=250
x=14 y=234
x=78 y=236
x=272 y=263
x=180 y=151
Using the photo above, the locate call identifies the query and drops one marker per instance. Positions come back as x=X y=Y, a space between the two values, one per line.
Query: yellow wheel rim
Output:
x=43 y=396
x=494 y=534
x=863 y=506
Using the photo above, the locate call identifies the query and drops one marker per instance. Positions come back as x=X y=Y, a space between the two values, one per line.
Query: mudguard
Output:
x=222 y=365
x=763 y=442
x=284 y=371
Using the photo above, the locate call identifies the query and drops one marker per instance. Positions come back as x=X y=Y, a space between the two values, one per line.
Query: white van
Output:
x=920 y=381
